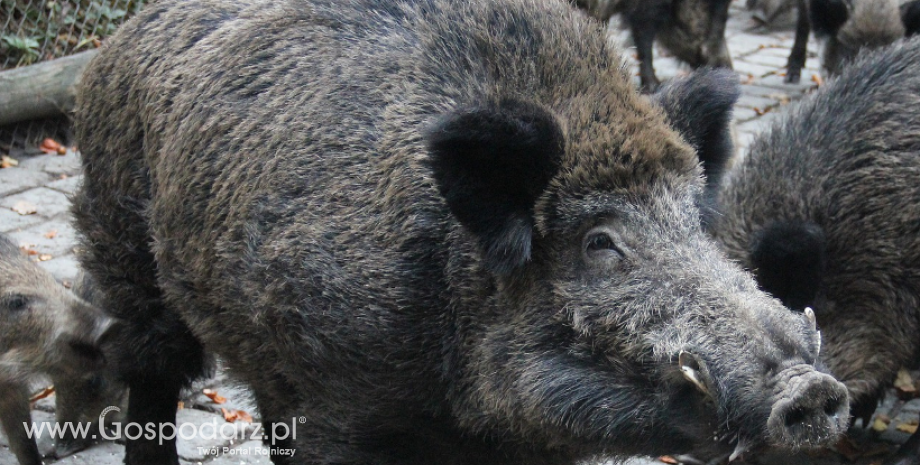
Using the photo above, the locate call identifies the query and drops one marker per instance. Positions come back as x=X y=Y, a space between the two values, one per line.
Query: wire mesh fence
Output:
x=37 y=30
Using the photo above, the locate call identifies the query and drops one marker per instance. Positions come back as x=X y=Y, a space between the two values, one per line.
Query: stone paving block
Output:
x=6 y=455
x=207 y=431
x=48 y=202
x=247 y=453
x=67 y=185
x=746 y=67
x=12 y=221
x=64 y=268
x=18 y=179
x=104 y=453
x=754 y=101
x=53 y=164
x=63 y=243
x=238 y=397
x=766 y=59
x=44 y=441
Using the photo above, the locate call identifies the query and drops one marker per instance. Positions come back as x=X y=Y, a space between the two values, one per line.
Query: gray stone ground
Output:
x=46 y=181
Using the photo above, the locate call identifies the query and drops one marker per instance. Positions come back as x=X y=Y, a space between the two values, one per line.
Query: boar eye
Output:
x=15 y=302
x=598 y=242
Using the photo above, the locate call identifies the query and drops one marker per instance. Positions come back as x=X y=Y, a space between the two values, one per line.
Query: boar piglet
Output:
x=430 y=232
x=44 y=329
x=824 y=210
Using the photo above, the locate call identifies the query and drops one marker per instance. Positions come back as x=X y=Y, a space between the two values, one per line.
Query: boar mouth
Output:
x=803 y=408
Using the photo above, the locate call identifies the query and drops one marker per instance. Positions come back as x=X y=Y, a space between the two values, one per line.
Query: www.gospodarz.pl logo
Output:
x=161 y=432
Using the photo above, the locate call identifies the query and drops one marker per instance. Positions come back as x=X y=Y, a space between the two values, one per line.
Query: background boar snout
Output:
x=810 y=408
x=88 y=335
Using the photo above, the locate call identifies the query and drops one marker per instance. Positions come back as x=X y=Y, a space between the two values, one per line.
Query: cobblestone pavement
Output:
x=46 y=181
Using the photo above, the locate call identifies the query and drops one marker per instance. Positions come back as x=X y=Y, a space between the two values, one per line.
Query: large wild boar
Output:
x=693 y=30
x=846 y=27
x=825 y=211
x=430 y=232
x=44 y=329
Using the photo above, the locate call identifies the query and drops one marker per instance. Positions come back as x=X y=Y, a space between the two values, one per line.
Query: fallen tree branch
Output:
x=42 y=90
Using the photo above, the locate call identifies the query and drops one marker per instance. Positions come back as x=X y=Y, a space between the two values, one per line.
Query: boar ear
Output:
x=788 y=260
x=490 y=164
x=700 y=109
x=827 y=16
x=910 y=16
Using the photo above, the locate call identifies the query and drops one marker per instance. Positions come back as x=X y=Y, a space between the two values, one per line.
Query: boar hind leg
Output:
x=15 y=416
x=799 y=52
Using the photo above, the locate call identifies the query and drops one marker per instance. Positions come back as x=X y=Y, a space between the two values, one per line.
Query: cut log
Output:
x=42 y=90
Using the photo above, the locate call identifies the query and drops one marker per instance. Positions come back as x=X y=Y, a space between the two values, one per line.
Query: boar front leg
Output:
x=15 y=416
x=644 y=29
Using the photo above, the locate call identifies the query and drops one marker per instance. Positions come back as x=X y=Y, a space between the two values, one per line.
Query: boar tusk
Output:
x=740 y=448
x=810 y=314
x=690 y=368
x=818 y=351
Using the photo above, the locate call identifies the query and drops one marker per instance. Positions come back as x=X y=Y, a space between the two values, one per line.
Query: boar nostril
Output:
x=832 y=407
x=795 y=416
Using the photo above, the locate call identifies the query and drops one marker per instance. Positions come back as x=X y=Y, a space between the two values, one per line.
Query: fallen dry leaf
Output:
x=904 y=385
x=50 y=145
x=881 y=423
x=817 y=80
x=180 y=406
x=761 y=112
x=909 y=427
x=214 y=396
x=25 y=208
x=668 y=459
x=243 y=416
x=51 y=234
x=42 y=394
x=904 y=381
x=229 y=415
x=44 y=257
x=8 y=162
